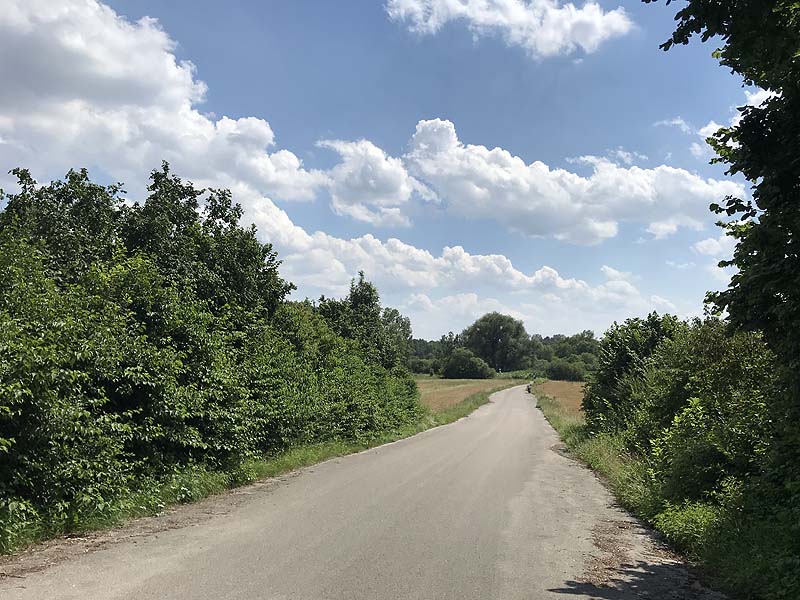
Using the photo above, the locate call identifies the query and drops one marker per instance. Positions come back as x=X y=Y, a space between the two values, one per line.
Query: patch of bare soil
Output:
x=631 y=563
x=52 y=552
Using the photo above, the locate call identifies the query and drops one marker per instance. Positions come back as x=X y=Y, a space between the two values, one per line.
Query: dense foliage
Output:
x=697 y=407
x=141 y=340
x=499 y=340
x=565 y=357
x=463 y=364
x=760 y=41
x=502 y=342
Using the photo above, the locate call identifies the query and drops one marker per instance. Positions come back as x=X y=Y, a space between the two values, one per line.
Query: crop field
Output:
x=569 y=394
x=442 y=394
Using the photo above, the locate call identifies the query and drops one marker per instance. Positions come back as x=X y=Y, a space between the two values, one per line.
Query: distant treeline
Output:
x=142 y=340
x=499 y=343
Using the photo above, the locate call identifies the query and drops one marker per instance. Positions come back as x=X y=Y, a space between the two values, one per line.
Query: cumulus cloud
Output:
x=752 y=98
x=451 y=288
x=368 y=185
x=477 y=182
x=718 y=249
x=541 y=27
x=88 y=87
x=620 y=155
x=680 y=266
x=616 y=275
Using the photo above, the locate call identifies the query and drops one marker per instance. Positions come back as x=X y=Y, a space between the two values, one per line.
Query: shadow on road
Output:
x=642 y=580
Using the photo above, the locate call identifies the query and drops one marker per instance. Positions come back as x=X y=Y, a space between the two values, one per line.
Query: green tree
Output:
x=760 y=40
x=498 y=339
x=397 y=330
x=563 y=370
x=145 y=343
x=463 y=364
x=608 y=401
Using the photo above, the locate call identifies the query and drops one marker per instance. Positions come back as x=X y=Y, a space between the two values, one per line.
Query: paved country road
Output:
x=485 y=508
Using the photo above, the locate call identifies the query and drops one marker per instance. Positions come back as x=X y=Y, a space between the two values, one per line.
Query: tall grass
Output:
x=604 y=453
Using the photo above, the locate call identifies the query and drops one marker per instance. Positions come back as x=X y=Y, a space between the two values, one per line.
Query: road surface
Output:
x=485 y=508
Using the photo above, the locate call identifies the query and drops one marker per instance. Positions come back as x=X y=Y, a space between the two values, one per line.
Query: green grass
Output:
x=624 y=474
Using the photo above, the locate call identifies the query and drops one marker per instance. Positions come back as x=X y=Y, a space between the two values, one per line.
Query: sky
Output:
x=536 y=157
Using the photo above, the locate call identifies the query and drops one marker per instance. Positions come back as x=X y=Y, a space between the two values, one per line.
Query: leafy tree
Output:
x=141 y=343
x=383 y=334
x=447 y=345
x=623 y=351
x=760 y=40
x=498 y=339
x=196 y=240
x=463 y=364
x=397 y=330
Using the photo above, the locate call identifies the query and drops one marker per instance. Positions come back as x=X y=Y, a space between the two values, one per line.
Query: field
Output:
x=569 y=394
x=442 y=394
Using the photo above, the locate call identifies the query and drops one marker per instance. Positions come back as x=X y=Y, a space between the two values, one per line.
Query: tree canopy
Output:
x=142 y=341
x=498 y=339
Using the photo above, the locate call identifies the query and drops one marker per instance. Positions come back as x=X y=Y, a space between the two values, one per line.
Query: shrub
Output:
x=563 y=370
x=608 y=402
x=150 y=346
x=462 y=364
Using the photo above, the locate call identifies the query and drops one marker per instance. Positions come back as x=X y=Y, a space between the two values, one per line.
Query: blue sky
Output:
x=563 y=178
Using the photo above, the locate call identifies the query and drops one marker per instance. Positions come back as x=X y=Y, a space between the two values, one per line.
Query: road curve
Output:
x=485 y=508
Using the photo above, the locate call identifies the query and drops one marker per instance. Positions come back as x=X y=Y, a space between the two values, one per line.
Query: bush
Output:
x=149 y=344
x=562 y=370
x=698 y=409
x=608 y=402
x=462 y=364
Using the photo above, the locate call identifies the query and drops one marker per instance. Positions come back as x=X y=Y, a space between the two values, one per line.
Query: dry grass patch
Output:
x=441 y=394
x=569 y=394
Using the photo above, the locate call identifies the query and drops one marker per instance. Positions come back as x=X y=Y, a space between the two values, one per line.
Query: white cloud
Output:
x=680 y=266
x=542 y=27
x=88 y=87
x=678 y=122
x=701 y=150
x=721 y=247
x=615 y=275
x=708 y=129
x=449 y=289
x=752 y=98
x=476 y=182
x=368 y=185
x=757 y=97
x=457 y=310
x=621 y=155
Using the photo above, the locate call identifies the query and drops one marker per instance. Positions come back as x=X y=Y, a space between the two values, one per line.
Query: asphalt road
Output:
x=485 y=508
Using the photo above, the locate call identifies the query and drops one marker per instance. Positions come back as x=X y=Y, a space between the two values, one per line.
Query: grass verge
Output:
x=192 y=484
x=736 y=548
x=604 y=453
